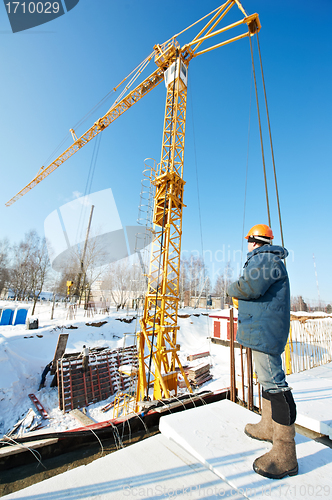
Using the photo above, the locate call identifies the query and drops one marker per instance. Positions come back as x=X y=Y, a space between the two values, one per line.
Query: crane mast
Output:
x=158 y=363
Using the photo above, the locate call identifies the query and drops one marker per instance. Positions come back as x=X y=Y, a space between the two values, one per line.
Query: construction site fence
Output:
x=309 y=345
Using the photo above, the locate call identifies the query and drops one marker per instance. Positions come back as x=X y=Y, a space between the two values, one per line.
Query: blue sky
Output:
x=52 y=75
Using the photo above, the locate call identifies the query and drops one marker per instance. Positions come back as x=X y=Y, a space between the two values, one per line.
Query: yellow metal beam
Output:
x=159 y=326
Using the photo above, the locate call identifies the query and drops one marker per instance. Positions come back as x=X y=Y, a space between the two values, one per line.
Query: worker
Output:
x=43 y=377
x=263 y=325
x=85 y=354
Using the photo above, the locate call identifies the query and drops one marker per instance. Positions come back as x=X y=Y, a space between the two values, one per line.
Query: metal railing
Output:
x=309 y=345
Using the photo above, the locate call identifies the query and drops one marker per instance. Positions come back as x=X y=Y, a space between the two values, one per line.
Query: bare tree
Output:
x=20 y=269
x=119 y=281
x=39 y=266
x=193 y=278
x=30 y=265
x=81 y=272
x=91 y=272
x=56 y=285
x=4 y=263
x=221 y=285
x=298 y=304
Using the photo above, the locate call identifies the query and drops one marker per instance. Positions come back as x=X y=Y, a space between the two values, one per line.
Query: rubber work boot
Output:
x=263 y=431
x=281 y=460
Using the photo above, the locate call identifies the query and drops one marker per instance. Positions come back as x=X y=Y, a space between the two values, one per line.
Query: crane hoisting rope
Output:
x=81 y=122
x=261 y=139
x=247 y=164
x=197 y=183
x=205 y=278
x=260 y=134
x=271 y=145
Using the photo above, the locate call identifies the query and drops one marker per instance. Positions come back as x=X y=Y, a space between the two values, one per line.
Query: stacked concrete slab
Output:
x=200 y=453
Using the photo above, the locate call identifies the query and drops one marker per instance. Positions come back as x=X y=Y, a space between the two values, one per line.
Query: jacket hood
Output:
x=279 y=251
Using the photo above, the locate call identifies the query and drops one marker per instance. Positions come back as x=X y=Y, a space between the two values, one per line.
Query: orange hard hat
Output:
x=260 y=232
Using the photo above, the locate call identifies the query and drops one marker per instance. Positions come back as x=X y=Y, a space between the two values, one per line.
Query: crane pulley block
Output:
x=253 y=23
x=165 y=52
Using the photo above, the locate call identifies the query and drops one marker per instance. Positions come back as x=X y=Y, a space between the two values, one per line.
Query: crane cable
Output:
x=261 y=138
x=205 y=278
x=271 y=145
x=246 y=181
x=196 y=172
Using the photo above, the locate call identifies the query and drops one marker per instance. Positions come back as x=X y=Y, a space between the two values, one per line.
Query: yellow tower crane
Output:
x=157 y=340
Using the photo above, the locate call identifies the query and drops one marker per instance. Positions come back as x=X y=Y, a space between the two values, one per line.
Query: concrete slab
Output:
x=213 y=434
x=153 y=468
x=312 y=391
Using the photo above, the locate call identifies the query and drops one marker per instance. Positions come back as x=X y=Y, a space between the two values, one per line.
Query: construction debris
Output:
x=126 y=320
x=20 y=422
x=108 y=406
x=30 y=422
x=98 y=324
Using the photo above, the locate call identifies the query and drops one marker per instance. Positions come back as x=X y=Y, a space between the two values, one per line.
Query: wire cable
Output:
x=272 y=153
x=260 y=133
x=246 y=180
x=196 y=171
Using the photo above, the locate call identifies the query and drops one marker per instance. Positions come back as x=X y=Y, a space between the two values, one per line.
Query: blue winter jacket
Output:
x=264 y=300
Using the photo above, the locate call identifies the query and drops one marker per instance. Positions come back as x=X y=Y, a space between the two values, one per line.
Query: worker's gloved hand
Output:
x=235 y=302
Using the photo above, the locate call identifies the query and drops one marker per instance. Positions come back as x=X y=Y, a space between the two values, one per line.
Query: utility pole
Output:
x=319 y=304
x=82 y=271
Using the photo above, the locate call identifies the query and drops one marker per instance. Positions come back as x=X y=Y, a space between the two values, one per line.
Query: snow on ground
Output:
x=25 y=353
